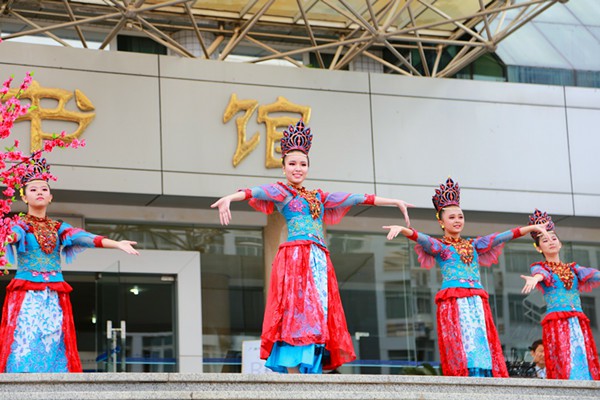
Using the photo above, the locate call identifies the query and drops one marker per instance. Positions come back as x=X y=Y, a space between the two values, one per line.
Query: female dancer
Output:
x=37 y=332
x=468 y=340
x=304 y=327
x=569 y=346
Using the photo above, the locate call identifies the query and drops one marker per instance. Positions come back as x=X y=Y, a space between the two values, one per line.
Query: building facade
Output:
x=167 y=136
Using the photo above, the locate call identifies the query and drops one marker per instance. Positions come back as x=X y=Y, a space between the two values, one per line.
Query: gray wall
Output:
x=159 y=131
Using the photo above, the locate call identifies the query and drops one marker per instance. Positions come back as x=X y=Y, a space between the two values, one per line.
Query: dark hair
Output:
x=536 y=344
x=307 y=157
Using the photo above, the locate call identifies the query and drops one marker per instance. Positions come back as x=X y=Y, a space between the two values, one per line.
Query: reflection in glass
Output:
x=388 y=299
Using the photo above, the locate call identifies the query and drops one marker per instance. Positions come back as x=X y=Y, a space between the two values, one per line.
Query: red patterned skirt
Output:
x=557 y=344
x=15 y=294
x=452 y=354
x=294 y=314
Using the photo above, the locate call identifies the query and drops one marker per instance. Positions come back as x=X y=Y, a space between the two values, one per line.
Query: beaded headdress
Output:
x=38 y=169
x=446 y=195
x=296 y=138
x=539 y=218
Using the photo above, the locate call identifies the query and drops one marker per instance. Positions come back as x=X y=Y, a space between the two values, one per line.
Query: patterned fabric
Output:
x=45 y=231
x=29 y=337
x=473 y=333
x=37 y=333
x=564 y=273
x=303 y=305
x=558 y=297
x=569 y=345
x=463 y=247
x=468 y=341
x=455 y=271
x=294 y=313
x=38 y=344
x=37 y=265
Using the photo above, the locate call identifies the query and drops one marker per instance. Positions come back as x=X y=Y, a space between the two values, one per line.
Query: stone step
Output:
x=273 y=386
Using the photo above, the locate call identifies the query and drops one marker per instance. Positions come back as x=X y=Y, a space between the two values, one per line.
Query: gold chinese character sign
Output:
x=36 y=93
x=244 y=146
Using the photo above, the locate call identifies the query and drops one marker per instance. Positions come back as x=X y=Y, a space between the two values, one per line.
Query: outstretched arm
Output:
x=123 y=245
x=541 y=228
x=531 y=282
x=223 y=205
x=401 y=204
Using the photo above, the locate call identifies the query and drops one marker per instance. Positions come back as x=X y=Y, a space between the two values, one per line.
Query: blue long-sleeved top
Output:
x=39 y=242
x=460 y=261
x=558 y=297
x=303 y=222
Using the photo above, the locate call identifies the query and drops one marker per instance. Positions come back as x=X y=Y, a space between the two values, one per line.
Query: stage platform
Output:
x=272 y=386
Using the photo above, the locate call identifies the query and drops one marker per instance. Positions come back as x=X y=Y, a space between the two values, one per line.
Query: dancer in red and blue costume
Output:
x=37 y=333
x=467 y=336
x=304 y=327
x=569 y=346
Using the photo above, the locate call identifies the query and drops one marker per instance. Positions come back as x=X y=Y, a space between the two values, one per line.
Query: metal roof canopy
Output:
x=434 y=38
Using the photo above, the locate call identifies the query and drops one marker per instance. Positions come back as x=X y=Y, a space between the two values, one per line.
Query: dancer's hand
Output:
x=224 y=211
x=404 y=206
x=530 y=282
x=394 y=230
x=541 y=228
x=127 y=247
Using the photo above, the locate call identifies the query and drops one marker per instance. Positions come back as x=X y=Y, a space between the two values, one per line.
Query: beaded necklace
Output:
x=311 y=197
x=463 y=247
x=563 y=271
x=45 y=231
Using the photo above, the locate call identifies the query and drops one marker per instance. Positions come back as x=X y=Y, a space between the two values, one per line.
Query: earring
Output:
x=25 y=201
x=443 y=227
x=539 y=251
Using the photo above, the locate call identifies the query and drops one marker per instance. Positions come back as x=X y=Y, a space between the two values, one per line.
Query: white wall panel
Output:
x=482 y=145
x=263 y=75
x=159 y=130
x=195 y=139
x=68 y=58
x=468 y=90
x=584 y=143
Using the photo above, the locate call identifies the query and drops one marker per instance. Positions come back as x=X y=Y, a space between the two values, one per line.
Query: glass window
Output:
x=544 y=76
x=575 y=43
x=586 y=11
x=518 y=257
x=588 y=305
x=388 y=299
x=528 y=47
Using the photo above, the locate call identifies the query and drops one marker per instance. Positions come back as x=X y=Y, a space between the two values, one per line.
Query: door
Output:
x=135 y=328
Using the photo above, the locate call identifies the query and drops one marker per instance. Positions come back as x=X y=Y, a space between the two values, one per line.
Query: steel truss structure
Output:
x=435 y=38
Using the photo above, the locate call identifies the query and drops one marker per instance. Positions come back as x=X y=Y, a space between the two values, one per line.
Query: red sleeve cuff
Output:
x=247 y=193
x=517 y=232
x=369 y=199
x=415 y=235
x=98 y=241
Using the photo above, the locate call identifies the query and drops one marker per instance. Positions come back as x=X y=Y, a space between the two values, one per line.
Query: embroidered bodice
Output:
x=38 y=243
x=556 y=282
x=460 y=259
x=305 y=218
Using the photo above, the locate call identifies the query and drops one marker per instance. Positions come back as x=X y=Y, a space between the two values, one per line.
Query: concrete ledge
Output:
x=237 y=386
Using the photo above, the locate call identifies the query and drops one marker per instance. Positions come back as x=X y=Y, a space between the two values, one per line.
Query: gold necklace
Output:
x=563 y=271
x=311 y=197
